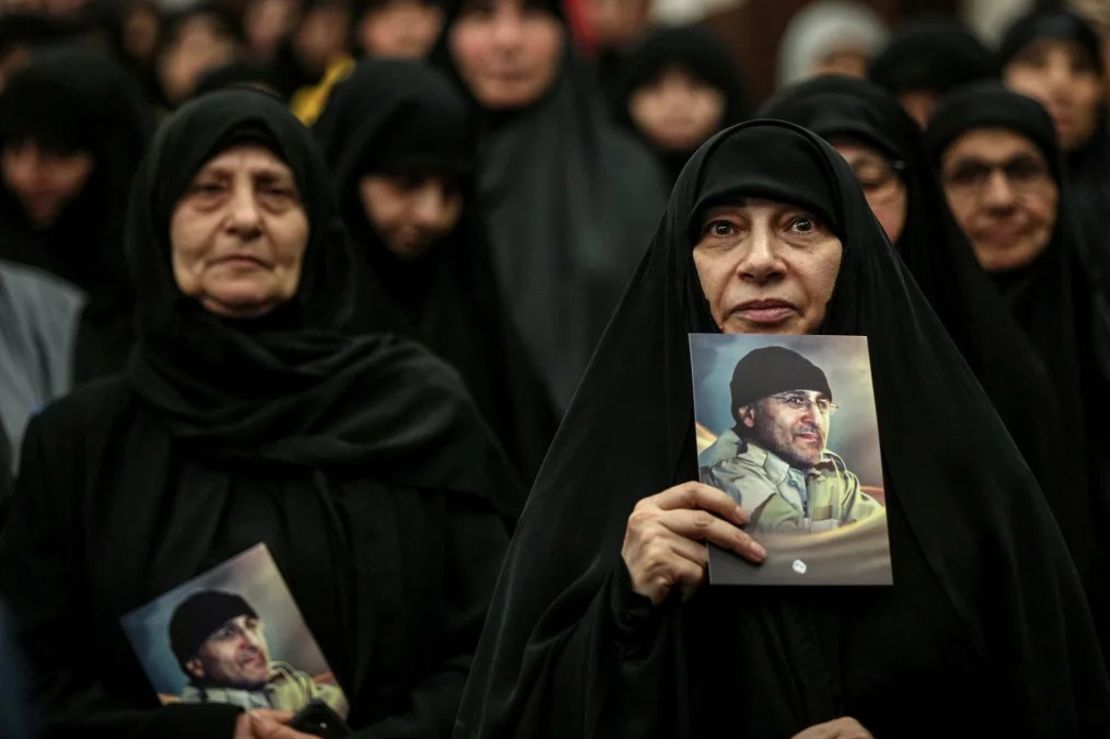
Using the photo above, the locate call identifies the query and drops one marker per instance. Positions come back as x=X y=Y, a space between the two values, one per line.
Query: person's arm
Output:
x=856 y=504
x=41 y=570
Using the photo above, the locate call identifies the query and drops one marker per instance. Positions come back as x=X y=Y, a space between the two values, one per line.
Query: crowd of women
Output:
x=397 y=290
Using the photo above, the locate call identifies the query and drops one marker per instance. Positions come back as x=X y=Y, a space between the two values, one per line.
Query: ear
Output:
x=195 y=668
x=746 y=414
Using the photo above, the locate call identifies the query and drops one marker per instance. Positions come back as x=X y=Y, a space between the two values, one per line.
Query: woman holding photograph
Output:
x=247 y=418
x=985 y=631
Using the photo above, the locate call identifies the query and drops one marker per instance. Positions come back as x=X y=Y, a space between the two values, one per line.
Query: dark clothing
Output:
x=359 y=462
x=943 y=264
x=700 y=53
x=981 y=620
x=79 y=100
x=570 y=201
x=931 y=56
x=448 y=297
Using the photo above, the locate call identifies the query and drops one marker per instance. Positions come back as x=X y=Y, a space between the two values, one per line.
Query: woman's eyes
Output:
x=721 y=228
x=803 y=224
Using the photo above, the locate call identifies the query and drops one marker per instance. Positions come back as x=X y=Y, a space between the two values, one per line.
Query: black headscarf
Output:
x=1051 y=299
x=698 y=52
x=1088 y=164
x=933 y=55
x=569 y=651
x=79 y=99
x=570 y=200
x=289 y=387
x=944 y=267
x=405 y=118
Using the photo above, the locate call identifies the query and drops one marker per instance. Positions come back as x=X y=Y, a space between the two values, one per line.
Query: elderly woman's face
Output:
x=506 y=51
x=766 y=267
x=1001 y=191
x=239 y=233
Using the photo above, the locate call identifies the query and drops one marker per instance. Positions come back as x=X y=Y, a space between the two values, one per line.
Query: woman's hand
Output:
x=263 y=723
x=841 y=728
x=664 y=543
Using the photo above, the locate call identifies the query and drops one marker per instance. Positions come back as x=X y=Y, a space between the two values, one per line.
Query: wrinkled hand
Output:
x=664 y=543
x=841 y=728
x=263 y=723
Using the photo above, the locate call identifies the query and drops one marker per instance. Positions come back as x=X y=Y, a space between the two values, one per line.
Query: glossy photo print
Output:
x=787 y=427
x=233 y=635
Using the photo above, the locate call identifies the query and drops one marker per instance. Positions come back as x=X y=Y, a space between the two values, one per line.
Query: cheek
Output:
x=891 y=215
x=713 y=274
x=468 y=45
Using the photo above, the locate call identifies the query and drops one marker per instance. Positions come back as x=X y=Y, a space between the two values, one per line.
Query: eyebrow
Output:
x=263 y=170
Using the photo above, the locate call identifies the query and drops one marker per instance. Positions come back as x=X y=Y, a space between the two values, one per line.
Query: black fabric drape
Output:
x=75 y=98
x=570 y=201
x=697 y=51
x=985 y=629
x=404 y=118
x=944 y=267
x=931 y=55
x=359 y=461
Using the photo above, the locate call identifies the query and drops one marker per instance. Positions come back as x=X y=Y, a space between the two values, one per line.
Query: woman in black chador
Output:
x=1054 y=56
x=999 y=162
x=679 y=86
x=73 y=127
x=619 y=635
x=405 y=171
x=570 y=198
x=246 y=417
x=885 y=149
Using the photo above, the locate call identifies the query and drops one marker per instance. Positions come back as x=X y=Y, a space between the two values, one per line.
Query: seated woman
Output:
x=618 y=635
x=246 y=418
x=887 y=154
x=405 y=168
x=679 y=86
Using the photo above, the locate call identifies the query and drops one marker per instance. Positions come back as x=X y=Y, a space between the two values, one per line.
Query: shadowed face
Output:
x=793 y=425
x=506 y=51
x=235 y=655
x=43 y=180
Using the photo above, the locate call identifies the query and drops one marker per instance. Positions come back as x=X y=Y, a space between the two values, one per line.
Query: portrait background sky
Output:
x=253 y=575
x=853 y=429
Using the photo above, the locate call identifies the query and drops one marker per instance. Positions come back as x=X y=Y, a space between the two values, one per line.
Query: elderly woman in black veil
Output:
x=614 y=633
x=1000 y=165
x=571 y=199
x=247 y=417
x=887 y=154
x=400 y=141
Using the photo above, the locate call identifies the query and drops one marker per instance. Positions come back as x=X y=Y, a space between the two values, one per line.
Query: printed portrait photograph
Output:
x=233 y=635
x=787 y=427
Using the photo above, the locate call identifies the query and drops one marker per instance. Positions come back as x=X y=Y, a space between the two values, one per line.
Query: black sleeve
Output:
x=40 y=578
x=477 y=541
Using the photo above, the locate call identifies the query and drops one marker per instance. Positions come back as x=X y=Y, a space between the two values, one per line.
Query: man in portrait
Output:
x=774 y=461
x=220 y=643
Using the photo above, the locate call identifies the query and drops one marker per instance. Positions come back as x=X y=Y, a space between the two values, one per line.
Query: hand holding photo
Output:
x=233 y=635
x=764 y=407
